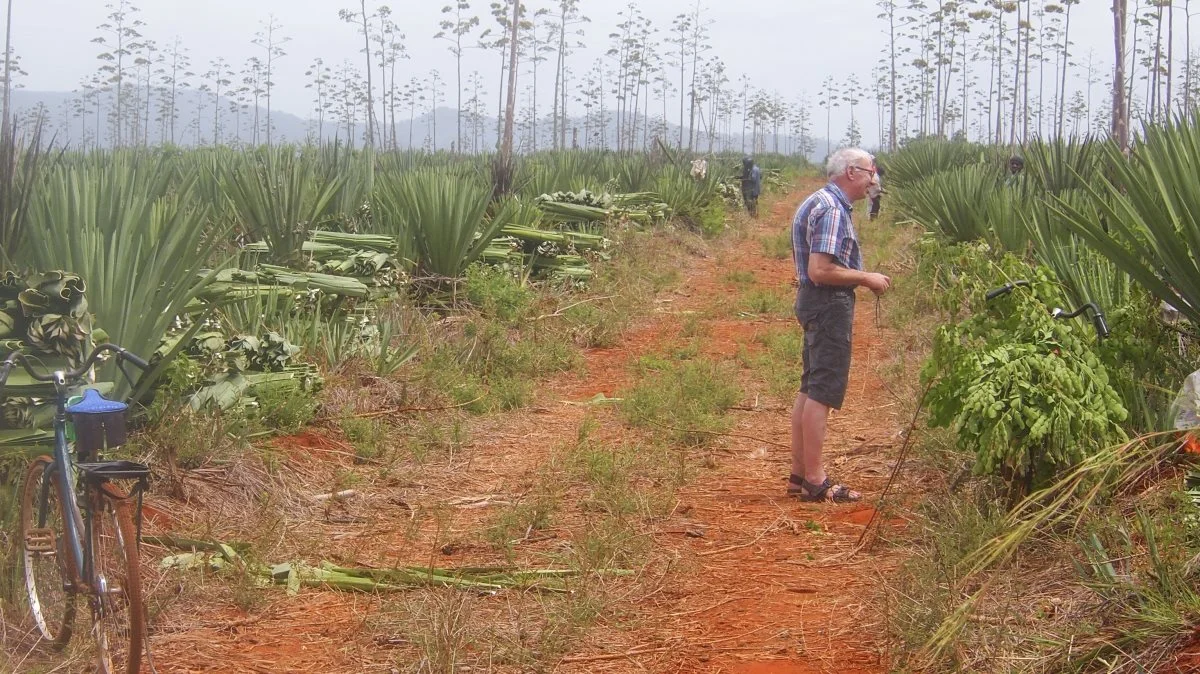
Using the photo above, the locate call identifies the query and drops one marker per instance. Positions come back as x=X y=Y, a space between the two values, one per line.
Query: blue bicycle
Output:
x=79 y=527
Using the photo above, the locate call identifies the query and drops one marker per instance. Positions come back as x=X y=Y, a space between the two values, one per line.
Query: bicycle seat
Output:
x=99 y=423
x=94 y=403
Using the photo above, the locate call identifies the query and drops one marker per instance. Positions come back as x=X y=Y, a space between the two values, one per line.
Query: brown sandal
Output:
x=827 y=491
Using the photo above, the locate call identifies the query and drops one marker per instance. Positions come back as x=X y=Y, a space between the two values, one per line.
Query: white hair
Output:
x=842 y=159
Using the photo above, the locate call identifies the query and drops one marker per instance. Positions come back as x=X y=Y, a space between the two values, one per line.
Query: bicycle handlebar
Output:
x=1098 y=321
x=1004 y=289
x=1097 y=317
x=71 y=375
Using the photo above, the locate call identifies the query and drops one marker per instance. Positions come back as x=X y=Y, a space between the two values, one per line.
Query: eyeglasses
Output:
x=864 y=170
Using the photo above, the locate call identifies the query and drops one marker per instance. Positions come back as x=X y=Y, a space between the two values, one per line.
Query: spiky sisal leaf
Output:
x=445 y=214
x=280 y=194
x=1149 y=213
x=128 y=224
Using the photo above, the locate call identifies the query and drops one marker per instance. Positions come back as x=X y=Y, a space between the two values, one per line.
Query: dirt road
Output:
x=746 y=580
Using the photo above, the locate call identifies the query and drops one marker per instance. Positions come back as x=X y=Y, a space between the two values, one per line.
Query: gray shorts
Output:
x=827 y=314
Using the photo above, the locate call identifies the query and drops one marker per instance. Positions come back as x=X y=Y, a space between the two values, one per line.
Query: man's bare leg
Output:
x=813 y=420
x=798 y=435
x=808 y=438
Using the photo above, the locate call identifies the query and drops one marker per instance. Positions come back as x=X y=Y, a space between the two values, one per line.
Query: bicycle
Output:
x=79 y=529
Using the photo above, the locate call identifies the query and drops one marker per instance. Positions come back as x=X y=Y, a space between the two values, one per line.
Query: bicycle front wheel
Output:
x=119 y=618
x=49 y=570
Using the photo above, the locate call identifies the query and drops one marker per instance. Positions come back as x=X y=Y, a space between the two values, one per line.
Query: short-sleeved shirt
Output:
x=822 y=225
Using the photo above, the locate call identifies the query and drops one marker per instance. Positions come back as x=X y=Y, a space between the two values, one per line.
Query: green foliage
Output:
x=688 y=197
x=491 y=366
x=781 y=362
x=926 y=589
x=919 y=160
x=1086 y=274
x=388 y=356
x=367 y=436
x=284 y=410
x=1063 y=164
x=1147 y=360
x=1025 y=392
x=778 y=246
x=954 y=274
x=22 y=165
x=769 y=301
x=497 y=293
x=442 y=435
x=522 y=519
x=712 y=219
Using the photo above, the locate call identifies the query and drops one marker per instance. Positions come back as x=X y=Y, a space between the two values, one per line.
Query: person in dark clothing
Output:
x=1015 y=166
x=875 y=193
x=751 y=185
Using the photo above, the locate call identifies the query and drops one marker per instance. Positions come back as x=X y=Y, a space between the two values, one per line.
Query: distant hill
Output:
x=75 y=121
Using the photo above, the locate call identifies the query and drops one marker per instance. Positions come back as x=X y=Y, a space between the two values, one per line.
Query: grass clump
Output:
x=489 y=366
x=928 y=586
x=768 y=302
x=284 y=411
x=367 y=436
x=712 y=219
x=778 y=246
x=441 y=435
x=498 y=293
x=780 y=362
x=684 y=401
x=524 y=519
x=739 y=277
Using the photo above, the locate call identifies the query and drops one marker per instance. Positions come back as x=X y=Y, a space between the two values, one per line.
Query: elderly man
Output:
x=829 y=267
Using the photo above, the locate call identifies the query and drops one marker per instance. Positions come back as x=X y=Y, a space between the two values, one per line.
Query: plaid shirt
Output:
x=822 y=225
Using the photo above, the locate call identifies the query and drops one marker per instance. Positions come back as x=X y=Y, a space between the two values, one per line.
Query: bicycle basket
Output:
x=99 y=422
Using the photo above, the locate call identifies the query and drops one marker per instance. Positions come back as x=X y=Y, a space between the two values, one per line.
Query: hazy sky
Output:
x=787 y=46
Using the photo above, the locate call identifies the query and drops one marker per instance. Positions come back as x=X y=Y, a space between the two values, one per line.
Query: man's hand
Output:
x=878 y=283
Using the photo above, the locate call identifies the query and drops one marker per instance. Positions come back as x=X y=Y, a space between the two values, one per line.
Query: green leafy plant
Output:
x=1027 y=393
x=920 y=159
x=684 y=401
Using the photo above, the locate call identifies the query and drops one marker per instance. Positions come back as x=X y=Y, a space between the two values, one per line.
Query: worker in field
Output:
x=875 y=194
x=751 y=185
x=829 y=266
x=1015 y=166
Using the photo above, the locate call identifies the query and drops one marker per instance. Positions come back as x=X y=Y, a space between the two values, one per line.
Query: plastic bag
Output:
x=1186 y=408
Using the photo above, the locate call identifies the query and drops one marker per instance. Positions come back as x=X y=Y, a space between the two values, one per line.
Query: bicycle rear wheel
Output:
x=49 y=569
x=119 y=618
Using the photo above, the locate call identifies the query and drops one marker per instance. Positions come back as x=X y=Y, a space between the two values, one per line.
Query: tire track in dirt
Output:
x=754 y=594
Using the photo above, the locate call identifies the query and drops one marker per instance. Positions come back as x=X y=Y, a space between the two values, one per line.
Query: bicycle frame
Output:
x=75 y=525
